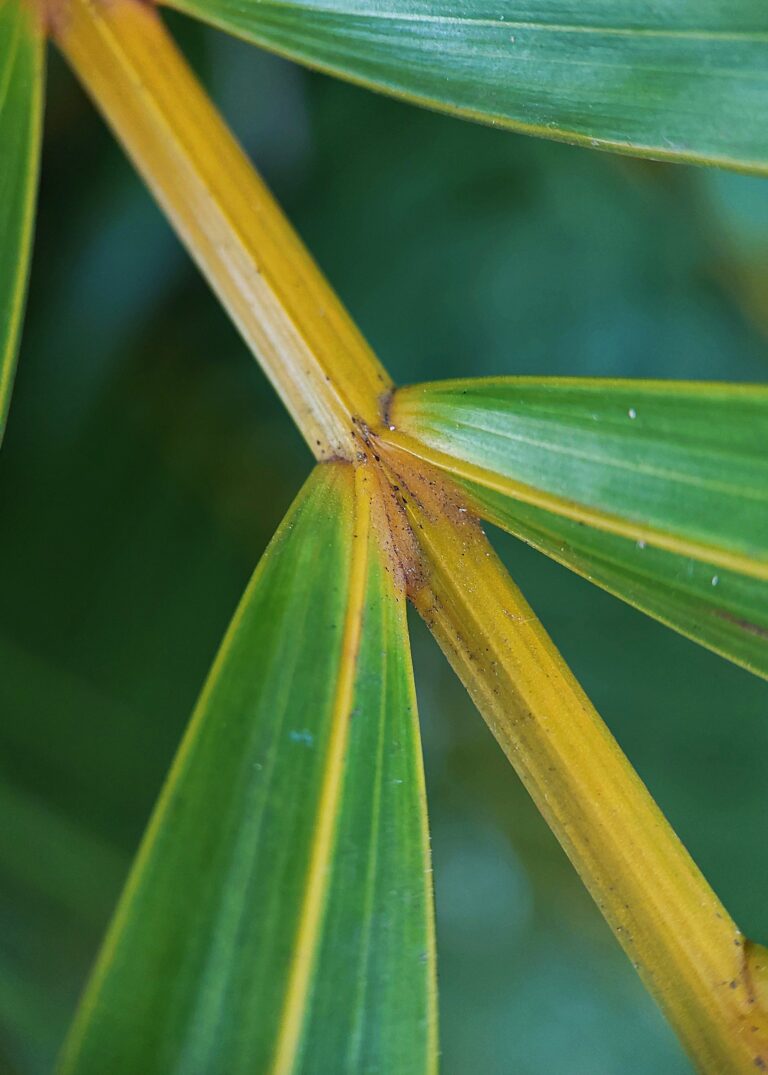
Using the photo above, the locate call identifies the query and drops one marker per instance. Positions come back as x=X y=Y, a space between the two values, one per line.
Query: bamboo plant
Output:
x=278 y=917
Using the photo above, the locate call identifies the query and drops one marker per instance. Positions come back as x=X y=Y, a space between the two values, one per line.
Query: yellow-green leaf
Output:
x=657 y=491
x=278 y=917
x=681 y=464
x=21 y=90
x=675 y=79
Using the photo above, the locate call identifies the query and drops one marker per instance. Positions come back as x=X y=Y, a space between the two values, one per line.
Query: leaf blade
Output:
x=692 y=554
x=605 y=74
x=678 y=464
x=389 y=693
x=21 y=86
x=239 y=865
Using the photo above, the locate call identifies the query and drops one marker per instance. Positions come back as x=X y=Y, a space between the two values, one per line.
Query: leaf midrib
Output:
x=304 y=954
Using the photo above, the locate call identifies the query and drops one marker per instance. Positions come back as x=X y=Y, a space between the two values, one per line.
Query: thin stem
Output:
x=710 y=981
x=308 y=345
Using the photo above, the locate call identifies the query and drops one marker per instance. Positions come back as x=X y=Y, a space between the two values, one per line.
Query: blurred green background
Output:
x=147 y=463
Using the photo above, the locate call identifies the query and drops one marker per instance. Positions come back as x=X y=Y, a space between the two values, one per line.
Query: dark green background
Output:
x=147 y=463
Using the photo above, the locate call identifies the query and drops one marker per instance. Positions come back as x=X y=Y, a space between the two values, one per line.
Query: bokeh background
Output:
x=148 y=462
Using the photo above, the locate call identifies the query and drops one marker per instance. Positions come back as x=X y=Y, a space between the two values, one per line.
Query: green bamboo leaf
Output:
x=656 y=491
x=278 y=917
x=720 y=609
x=21 y=93
x=680 y=465
x=677 y=79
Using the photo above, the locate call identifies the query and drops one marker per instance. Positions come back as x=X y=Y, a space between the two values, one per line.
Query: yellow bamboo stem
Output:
x=286 y=311
x=711 y=982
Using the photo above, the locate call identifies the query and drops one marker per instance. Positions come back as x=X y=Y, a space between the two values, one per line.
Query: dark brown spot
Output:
x=745 y=625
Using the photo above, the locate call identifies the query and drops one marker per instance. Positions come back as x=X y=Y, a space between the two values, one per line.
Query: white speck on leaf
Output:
x=632 y=413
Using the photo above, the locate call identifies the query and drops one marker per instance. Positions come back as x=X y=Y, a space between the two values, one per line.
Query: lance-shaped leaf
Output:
x=677 y=79
x=278 y=917
x=21 y=90
x=656 y=491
